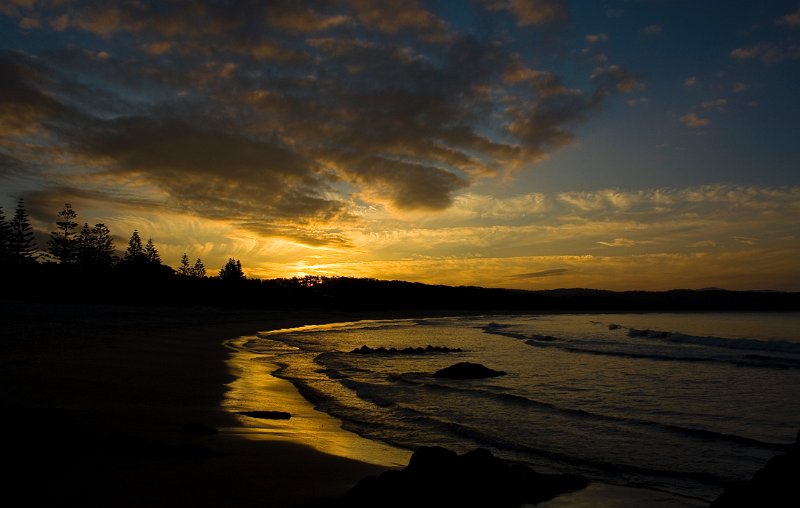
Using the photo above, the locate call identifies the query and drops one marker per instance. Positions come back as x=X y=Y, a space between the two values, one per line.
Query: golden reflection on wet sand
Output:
x=255 y=389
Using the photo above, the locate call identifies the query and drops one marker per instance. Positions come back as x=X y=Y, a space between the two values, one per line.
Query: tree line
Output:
x=91 y=248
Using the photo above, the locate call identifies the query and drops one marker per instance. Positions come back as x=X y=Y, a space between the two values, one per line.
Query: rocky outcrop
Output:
x=366 y=350
x=467 y=370
x=776 y=485
x=439 y=477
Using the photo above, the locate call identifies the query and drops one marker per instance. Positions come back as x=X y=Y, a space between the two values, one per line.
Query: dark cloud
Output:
x=408 y=185
x=542 y=126
x=22 y=106
x=208 y=171
x=258 y=111
x=544 y=273
x=10 y=165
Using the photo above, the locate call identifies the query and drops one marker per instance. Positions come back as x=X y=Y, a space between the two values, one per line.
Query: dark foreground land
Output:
x=95 y=400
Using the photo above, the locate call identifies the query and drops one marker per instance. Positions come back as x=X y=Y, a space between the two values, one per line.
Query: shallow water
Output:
x=675 y=404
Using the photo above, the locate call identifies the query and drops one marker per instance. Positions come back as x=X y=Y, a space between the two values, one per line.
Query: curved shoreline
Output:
x=598 y=494
x=256 y=388
x=114 y=385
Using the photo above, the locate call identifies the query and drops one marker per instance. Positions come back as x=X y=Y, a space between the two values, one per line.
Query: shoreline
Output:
x=257 y=388
x=98 y=395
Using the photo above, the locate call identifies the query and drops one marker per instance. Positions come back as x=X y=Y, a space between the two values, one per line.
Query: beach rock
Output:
x=776 y=485
x=467 y=370
x=494 y=326
x=366 y=350
x=652 y=334
x=436 y=476
x=198 y=429
x=266 y=415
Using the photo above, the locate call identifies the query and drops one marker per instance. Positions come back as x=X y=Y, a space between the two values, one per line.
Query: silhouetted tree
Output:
x=5 y=238
x=62 y=242
x=232 y=270
x=94 y=246
x=103 y=245
x=135 y=251
x=151 y=253
x=22 y=246
x=185 y=270
x=84 y=246
x=199 y=270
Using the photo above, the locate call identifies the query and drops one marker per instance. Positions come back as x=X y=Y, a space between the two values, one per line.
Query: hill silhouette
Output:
x=159 y=285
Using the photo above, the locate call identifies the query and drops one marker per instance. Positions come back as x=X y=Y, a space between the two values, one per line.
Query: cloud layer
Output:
x=282 y=110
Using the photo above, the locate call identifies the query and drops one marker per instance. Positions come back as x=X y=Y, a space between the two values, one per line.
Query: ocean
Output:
x=678 y=404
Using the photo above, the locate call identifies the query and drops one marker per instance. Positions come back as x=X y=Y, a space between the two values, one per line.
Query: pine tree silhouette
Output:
x=151 y=253
x=63 y=242
x=84 y=246
x=103 y=245
x=185 y=269
x=5 y=238
x=199 y=270
x=135 y=251
x=22 y=247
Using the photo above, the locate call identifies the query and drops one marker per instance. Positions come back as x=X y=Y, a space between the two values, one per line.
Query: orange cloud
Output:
x=391 y=16
x=30 y=23
x=693 y=121
x=767 y=52
x=292 y=17
x=158 y=48
x=532 y=12
x=652 y=30
x=791 y=20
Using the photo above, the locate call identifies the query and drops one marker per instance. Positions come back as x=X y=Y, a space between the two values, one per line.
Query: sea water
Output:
x=675 y=403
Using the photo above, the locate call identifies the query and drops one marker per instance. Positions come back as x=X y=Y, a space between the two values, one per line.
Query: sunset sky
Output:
x=616 y=144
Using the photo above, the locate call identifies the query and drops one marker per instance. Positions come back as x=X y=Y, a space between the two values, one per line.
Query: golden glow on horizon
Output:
x=714 y=236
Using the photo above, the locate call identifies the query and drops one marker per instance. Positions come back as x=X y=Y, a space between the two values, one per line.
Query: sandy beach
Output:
x=95 y=398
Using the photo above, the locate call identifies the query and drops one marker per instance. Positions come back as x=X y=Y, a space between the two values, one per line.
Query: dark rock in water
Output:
x=266 y=415
x=366 y=350
x=614 y=326
x=653 y=334
x=776 y=485
x=467 y=370
x=439 y=477
x=198 y=429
